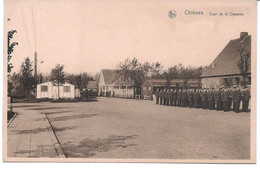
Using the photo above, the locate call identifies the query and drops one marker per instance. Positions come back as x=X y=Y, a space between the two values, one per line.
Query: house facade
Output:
x=150 y=85
x=224 y=70
x=110 y=81
x=48 y=90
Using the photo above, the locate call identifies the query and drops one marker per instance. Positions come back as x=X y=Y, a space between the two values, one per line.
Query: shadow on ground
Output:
x=72 y=117
x=47 y=108
x=57 y=112
x=64 y=128
x=21 y=106
x=89 y=147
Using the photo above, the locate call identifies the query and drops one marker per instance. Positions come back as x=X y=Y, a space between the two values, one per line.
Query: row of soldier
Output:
x=214 y=98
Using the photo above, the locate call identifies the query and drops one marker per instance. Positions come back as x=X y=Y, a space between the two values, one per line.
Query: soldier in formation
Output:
x=219 y=98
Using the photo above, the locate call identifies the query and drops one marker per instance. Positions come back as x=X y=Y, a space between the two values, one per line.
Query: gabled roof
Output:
x=226 y=62
x=92 y=85
x=110 y=75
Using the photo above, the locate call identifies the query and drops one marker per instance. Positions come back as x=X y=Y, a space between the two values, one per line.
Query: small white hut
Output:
x=48 y=90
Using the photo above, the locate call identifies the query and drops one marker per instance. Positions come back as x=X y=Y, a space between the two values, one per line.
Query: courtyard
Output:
x=126 y=128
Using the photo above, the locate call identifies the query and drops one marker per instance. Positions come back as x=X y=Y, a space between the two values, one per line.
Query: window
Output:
x=149 y=88
x=107 y=87
x=236 y=80
x=144 y=88
x=44 y=88
x=66 y=89
x=116 y=87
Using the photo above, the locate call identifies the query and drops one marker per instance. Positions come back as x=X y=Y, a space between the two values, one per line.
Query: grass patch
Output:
x=10 y=115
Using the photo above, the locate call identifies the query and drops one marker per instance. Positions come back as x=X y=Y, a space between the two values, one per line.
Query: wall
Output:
x=53 y=91
x=210 y=82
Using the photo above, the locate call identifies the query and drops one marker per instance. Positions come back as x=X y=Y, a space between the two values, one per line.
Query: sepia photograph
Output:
x=129 y=81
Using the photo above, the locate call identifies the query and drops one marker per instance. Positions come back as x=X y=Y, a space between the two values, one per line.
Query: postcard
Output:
x=130 y=81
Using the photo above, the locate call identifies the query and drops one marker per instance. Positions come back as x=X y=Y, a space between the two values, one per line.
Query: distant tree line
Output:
x=134 y=73
x=23 y=84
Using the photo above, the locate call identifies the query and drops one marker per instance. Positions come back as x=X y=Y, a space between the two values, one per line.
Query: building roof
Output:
x=226 y=62
x=110 y=75
x=92 y=85
x=50 y=83
x=162 y=82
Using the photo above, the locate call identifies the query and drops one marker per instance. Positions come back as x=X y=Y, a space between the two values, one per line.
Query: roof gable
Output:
x=110 y=75
x=226 y=62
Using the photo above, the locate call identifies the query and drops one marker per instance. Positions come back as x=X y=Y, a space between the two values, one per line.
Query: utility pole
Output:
x=35 y=65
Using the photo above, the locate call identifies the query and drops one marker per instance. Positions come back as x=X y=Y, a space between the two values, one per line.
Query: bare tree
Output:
x=244 y=62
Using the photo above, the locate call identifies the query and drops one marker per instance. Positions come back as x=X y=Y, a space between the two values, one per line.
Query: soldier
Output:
x=168 y=97
x=175 y=97
x=229 y=99
x=184 y=97
x=218 y=99
x=237 y=100
x=245 y=99
x=211 y=99
x=156 y=95
x=204 y=99
x=225 y=99
x=233 y=97
x=200 y=99
x=164 y=97
x=196 y=98
x=179 y=98
x=161 y=97
x=191 y=98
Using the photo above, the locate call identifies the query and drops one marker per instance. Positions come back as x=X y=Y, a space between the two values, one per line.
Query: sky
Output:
x=87 y=36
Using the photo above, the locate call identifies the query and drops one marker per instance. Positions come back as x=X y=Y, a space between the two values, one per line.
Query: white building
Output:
x=48 y=90
x=109 y=80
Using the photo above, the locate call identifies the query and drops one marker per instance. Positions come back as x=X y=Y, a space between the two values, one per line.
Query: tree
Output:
x=181 y=72
x=26 y=76
x=57 y=77
x=133 y=73
x=244 y=63
x=10 y=49
x=80 y=80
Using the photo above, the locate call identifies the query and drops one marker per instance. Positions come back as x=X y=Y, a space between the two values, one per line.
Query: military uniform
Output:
x=238 y=99
x=168 y=97
x=233 y=97
x=218 y=99
x=156 y=96
x=164 y=97
x=184 y=98
x=204 y=100
x=225 y=100
x=191 y=99
x=229 y=99
x=161 y=97
x=196 y=99
x=171 y=97
x=179 y=98
x=245 y=99
x=175 y=97
x=211 y=100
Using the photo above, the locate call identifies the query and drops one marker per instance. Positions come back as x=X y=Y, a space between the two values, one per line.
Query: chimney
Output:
x=243 y=35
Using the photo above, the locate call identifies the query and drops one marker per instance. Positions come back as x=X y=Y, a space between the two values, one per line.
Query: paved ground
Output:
x=122 y=128
x=30 y=135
